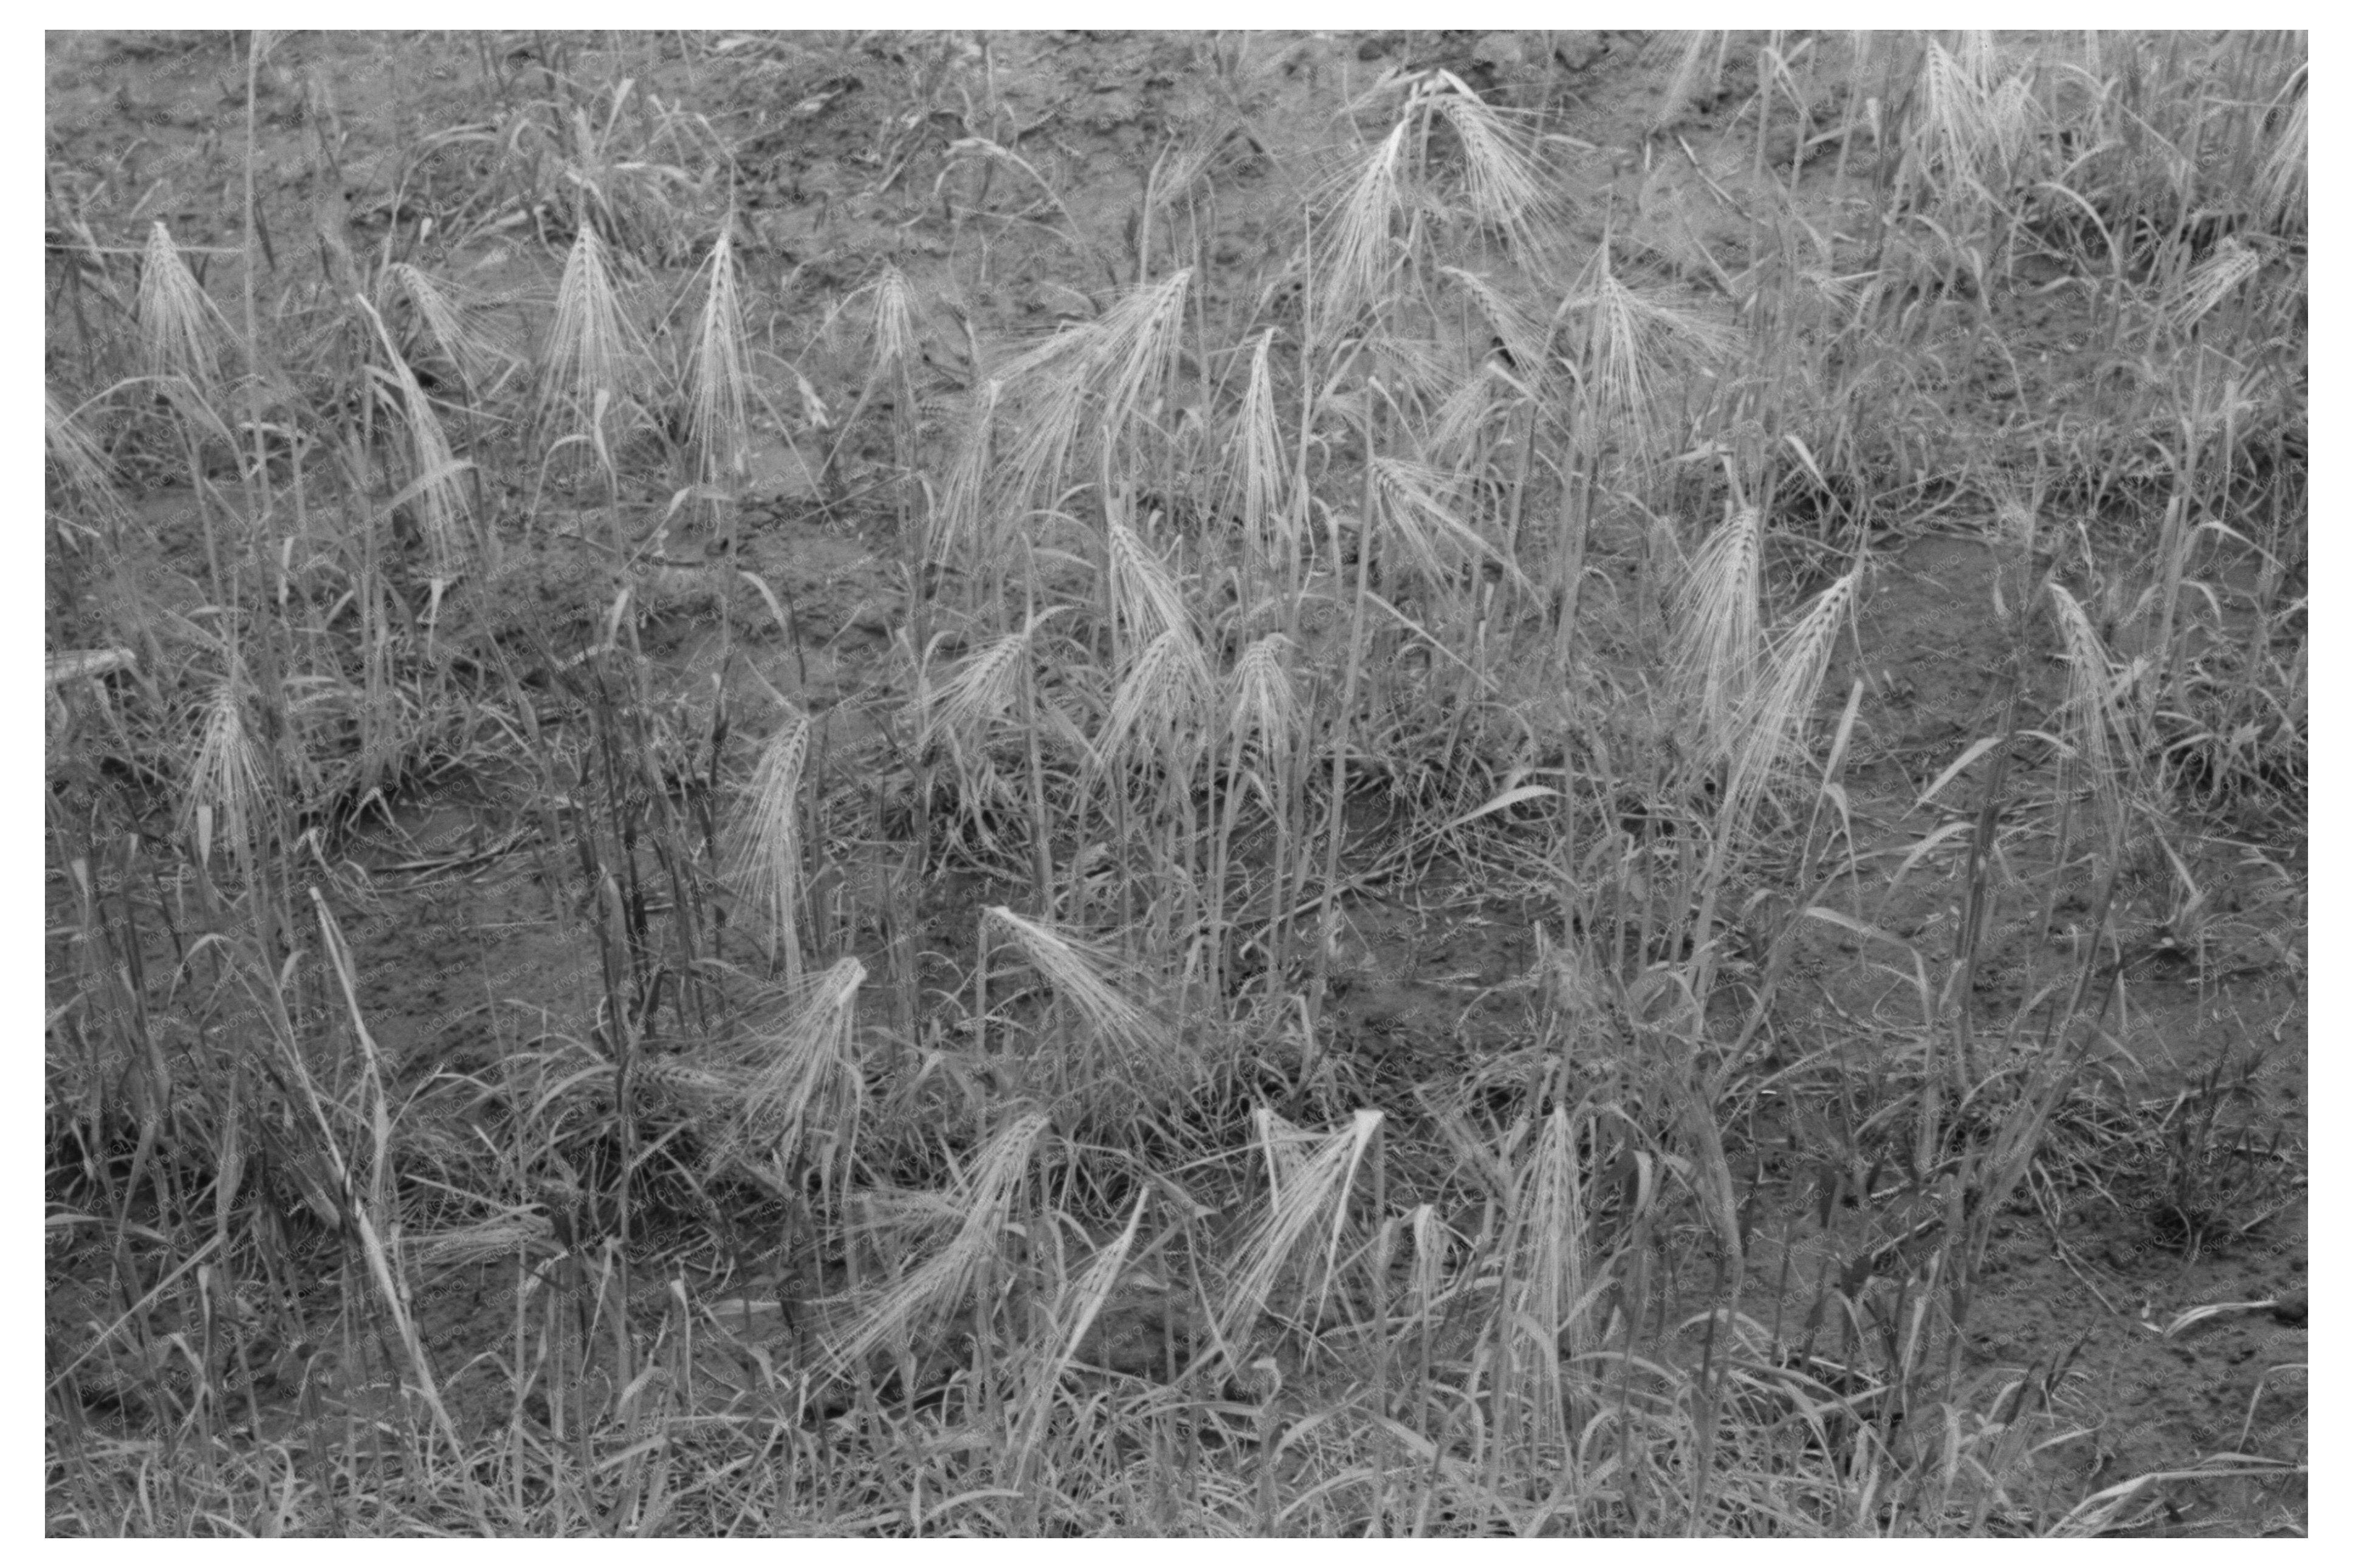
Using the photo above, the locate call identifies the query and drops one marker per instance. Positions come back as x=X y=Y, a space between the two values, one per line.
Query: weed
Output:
x=2216 y=1173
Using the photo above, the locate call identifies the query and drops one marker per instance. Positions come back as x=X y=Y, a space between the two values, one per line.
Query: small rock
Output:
x=1577 y=50
x=1503 y=51
x=2291 y=1311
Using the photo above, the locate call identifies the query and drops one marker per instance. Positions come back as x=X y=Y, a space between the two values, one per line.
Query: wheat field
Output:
x=1197 y=784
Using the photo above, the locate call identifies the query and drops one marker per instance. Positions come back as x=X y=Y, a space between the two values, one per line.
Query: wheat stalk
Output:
x=719 y=381
x=1308 y=1184
x=1954 y=121
x=1719 y=646
x=1254 y=472
x=1363 y=248
x=766 y=865
x=1772 y=723
x=2281 y=181
x=1264 y=703
x=478 y=364
x=1099 y=374
x=981 y=1202
x=1073 y=1313
x=1163 y=700
x=179 y=325
x=1546 y=1266
x=443 y=509
x=1523 y=338
x=802 y=1082
x=1415 y=515
x=1124 y=1056
x=2204 y=287
x=967 y=517
x=227 y=791
x=594 y=352
x=1263 y=708
x=2100 y=724
x=1475 y=418
x=1506 y=188
x=83 y=474
x=984 y=690
x=896 y=346
x=1145 y=597
x=1633 y=347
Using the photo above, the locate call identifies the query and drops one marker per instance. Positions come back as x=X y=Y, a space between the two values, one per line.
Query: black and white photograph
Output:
x=1196 y=785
